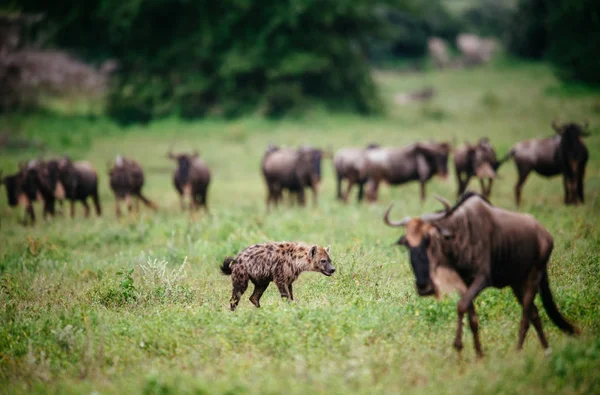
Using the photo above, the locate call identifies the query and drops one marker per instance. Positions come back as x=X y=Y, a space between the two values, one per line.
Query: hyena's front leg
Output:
x=291 y=292
x=240 y=284
x=259 y=289
x=283 y=287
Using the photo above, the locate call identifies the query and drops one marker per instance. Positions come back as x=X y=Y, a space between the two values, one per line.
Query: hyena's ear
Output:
x=328 y=249
x=312 y=252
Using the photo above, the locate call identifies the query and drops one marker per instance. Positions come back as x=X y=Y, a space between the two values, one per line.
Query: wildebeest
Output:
x=417 y=162
x=476 y=160
x=80 y=181
x=280 y=262
x=473 y=246
x=18 y=193
x=294 y=170
x=126 y=181
x=191 y=179
x=45 y=178
x=351 y=165
x=564 y=154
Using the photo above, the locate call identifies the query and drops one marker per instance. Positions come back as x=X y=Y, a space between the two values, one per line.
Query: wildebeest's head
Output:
x=485 y=161
x=13 y=186
x=437 y=156
x=320 y=260
x=422 y=240
x=184 y=164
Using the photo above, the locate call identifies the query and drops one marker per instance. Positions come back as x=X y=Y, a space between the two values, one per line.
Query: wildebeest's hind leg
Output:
x=529 y=290
x=86 y=206
x=96 y=200
x=474 y=324
x=203 y=199
x=523 y=173
x=535 y=318
x=348 y=189
x=581 y=175
x=240 y=284
x=361 y=191
x=117 y=207
x=259 y=289
x=422 y=191
x=462 y=182
x=339 y=187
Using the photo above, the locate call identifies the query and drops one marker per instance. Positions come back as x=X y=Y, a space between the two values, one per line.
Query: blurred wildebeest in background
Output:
x=564 y=154
x=191 y=179
x=294 y=170
x=475 y=50
x=417 y=162
x=126 y=181
x=473 y=246
x=80 y=181
x=438 y=52
x=18 y=194
x=44 y=177
x=477 y=160
x=351 y=165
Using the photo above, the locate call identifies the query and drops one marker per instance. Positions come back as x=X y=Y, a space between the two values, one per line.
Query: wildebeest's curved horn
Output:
x=395 y=224
x=432 y=217
x=443 y=200
x=556 y=126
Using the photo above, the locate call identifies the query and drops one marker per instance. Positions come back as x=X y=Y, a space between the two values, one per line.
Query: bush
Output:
x=527 y=36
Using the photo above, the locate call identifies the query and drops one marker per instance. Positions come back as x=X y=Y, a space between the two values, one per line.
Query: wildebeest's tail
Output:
x=226 y=266
x=148 y=202
x=506 y=157
x=552 y=310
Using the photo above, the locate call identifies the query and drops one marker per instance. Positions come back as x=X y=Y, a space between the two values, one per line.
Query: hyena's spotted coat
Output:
x=280 y=262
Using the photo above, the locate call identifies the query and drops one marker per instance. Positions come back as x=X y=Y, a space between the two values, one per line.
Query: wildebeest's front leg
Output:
x=462 y=182
x=86 y=206
x=465 y=303
x=580 y=177
x=523 y=173
x=72 y=208
x=117 y=207
x=474 y=324
x=348 y=189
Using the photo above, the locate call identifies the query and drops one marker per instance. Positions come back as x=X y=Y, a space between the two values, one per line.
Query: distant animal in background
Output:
x=126 y=181
x=292 y=170
x=477 y=160
x=351 y=165
x=17 y=193
x=191 y=179
x=564 y=154
x=80 y=181
x=44 y=177
x=280 y=262
x=474 y=245
x=417 y=162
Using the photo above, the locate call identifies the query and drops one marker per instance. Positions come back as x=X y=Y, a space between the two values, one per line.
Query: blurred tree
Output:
x=527 y=36
x=489 y=18
x=232 y=56
x=573 y=29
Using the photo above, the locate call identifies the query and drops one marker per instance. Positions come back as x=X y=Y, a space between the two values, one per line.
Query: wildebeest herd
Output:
x=466 y=247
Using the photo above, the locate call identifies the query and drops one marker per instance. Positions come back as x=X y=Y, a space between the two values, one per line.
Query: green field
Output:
x=72 y=324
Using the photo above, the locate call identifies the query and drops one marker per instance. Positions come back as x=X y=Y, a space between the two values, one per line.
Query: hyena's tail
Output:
x=226 y=266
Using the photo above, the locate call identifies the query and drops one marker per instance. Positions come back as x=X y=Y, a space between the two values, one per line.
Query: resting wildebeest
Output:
x=280 y=262
x=294 y=170
x=564 y=154
x=476 y=160
x=191 y=179
x=80 y=181
x=473 y=246
x=126 y=181
x=351 y=164
x=417 y=162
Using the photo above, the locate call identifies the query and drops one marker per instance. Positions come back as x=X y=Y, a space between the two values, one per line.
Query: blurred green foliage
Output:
x=565 y=32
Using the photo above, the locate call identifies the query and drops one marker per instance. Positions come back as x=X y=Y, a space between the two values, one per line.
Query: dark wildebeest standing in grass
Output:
x=351 y=165
x=20 y=191
x=191 y=179
x=473 y=246
x=417 y=162
x=45 y=178
x=294 y=170
x=564 y=154
x=280 y=262
x=126 y=181
x=477 y=160
x=80 y=181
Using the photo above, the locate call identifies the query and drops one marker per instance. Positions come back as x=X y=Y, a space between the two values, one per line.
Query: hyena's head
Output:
x=320 y=260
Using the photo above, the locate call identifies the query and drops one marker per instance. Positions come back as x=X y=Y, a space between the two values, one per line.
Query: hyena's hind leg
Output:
x=240 y=284
x=259 y=289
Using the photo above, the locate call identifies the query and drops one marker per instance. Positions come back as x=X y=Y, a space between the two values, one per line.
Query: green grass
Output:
x=75 y=320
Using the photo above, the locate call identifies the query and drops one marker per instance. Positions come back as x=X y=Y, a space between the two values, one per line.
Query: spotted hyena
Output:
x=279 y=262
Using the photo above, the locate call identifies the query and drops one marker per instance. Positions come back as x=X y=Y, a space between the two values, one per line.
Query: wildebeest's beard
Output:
x=12 y=192
x=316 y=163
x=183 y=169
x=420 y=265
